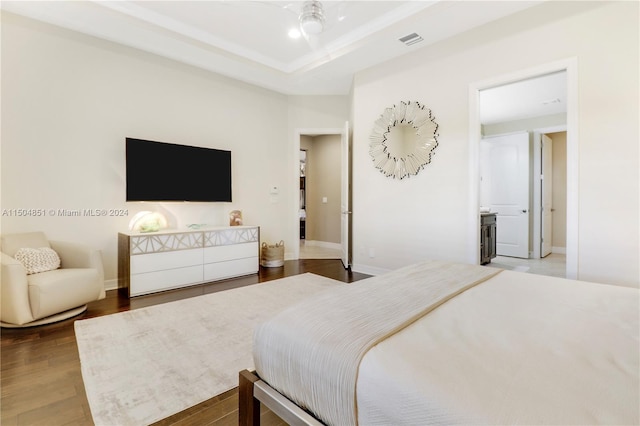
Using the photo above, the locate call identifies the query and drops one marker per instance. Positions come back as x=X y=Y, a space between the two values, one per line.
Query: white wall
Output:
x=428 y=216
x=69 y=101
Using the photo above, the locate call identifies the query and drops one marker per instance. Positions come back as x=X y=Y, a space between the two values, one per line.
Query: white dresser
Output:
x=169 y=259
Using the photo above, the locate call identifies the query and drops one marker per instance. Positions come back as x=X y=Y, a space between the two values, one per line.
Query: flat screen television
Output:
x=159 y=171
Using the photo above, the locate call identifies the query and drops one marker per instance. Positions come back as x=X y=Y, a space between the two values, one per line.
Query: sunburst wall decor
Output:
x=403 y=139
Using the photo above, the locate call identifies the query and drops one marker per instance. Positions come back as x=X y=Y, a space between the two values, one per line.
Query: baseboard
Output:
x=111 y=284
x=369 y=270
x=323 y=244
x=559 y=250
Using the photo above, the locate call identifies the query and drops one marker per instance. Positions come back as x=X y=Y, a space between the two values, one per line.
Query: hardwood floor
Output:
x=40 y=378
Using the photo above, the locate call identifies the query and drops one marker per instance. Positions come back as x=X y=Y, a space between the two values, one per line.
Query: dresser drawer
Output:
x=231 y=268
x=164 y=280
x=142 y=263
x=225 y=253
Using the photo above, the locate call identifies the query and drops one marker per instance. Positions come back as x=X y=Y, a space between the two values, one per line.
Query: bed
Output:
x=446 y=343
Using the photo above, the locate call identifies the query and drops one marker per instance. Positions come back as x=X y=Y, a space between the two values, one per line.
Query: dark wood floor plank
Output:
x=65 y=411
x=212 y=415
x=37 y=396
x=41 y=382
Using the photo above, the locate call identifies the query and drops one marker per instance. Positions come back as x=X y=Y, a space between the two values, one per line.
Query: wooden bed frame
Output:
x=253 y=391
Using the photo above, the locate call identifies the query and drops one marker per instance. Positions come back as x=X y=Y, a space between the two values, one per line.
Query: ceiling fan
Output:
x=311 y=18
x=314 y=19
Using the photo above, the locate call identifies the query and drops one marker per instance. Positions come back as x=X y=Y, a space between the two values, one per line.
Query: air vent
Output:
x=410 y=39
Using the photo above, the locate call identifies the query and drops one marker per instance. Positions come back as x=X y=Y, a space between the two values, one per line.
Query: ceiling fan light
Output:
x=311 y=27
x=312 y=18
x=294 y=33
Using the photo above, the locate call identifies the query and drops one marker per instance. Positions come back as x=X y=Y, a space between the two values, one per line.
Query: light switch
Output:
x=324 y=200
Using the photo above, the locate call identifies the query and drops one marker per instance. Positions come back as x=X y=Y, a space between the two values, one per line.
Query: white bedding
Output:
x=514 y=348
x=312 y=350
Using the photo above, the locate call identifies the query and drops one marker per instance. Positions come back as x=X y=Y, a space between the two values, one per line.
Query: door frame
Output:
x=570 y=65
x=345 y=196
x=295 y=170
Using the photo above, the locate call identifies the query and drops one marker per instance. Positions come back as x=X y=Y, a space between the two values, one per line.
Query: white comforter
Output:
x=311 y=352
x=515 y=349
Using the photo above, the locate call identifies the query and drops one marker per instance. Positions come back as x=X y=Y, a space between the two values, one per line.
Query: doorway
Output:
x=568 y=69
x=549 y=192
x=318 y=205
x=530 y=204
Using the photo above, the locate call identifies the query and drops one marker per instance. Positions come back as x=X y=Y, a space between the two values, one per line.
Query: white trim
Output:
x=475 y=136
x=573 y=170
x=571 y=67
x=369 y=270
x=559 y=250
x=536 y=205
x=111 y=284
x=551 y=129
x=294 y=226
x=323 y=244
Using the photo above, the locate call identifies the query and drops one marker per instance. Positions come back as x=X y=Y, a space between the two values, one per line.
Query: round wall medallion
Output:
x=403 y=139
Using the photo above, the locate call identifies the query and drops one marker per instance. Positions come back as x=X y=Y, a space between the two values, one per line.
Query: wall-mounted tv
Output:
x=159 y=171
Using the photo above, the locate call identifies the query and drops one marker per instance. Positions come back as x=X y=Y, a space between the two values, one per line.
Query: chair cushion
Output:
x=37 y=260
x=62 y=289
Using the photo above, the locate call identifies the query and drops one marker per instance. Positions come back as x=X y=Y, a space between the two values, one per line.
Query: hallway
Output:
x=553 y=265
x=312 y=251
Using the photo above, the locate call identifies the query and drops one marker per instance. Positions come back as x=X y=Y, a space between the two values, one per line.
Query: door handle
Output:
x=524 y=211
x=346 y=212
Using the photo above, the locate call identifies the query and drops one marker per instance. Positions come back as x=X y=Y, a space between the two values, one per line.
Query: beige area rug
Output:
x=144 y=365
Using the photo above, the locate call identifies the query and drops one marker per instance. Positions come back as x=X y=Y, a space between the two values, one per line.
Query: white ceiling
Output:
x=248 y=41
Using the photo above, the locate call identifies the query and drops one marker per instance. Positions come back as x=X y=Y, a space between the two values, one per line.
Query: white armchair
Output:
x=45 y=297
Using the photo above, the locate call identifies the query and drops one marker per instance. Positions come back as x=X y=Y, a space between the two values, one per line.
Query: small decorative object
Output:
x=195 y=226
x=235 y=218
x=403 y=139
x=272 y=256
x=150 y=226
x=146 y=221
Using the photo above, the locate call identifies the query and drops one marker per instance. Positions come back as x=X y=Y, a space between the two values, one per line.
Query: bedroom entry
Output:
x=323 y=211
x=532 y=111
x=516 y=163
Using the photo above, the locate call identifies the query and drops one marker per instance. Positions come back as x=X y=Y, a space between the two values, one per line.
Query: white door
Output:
x=547 y=196
x=504 y=187
x=345 y=205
